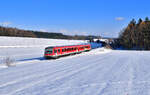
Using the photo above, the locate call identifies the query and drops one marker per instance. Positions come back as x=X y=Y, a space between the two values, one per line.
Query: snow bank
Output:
x=100 y=51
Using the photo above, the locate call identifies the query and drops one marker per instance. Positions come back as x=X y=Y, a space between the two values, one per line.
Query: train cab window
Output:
x=48 y=51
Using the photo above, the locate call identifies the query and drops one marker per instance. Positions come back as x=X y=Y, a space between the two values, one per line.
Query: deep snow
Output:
x=98 y=72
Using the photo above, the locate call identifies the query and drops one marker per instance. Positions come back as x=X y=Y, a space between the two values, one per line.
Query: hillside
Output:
x=19 y=48
x=15 y=32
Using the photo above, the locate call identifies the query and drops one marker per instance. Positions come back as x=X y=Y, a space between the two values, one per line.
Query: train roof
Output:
x=66 y=46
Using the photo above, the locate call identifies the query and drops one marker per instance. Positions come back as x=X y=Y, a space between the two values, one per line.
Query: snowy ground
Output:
x=98 y=72
x=18 y=48
x=34 y=42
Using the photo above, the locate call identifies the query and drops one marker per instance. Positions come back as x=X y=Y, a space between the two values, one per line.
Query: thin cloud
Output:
x=64 y=31
x=43 y=30
x=119 y=18
x=5 y=23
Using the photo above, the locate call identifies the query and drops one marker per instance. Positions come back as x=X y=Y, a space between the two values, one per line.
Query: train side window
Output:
x=58 y=50
x=65 y=50
x=55 y=51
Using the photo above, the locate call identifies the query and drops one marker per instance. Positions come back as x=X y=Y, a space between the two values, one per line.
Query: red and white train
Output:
x=58 y=51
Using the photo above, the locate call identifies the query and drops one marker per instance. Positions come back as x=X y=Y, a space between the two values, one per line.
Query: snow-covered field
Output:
x=98 y=72
x=18 y=48
x=34 y=42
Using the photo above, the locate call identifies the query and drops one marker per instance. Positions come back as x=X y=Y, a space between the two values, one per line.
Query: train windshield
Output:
x=49 y=50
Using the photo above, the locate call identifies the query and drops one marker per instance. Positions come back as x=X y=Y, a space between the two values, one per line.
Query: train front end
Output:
x=49 y=53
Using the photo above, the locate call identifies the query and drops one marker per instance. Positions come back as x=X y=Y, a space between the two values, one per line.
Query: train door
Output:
x=59 y=52
x=55 y=52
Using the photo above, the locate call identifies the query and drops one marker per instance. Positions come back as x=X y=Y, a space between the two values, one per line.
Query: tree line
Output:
x=15 y=32
x=136 y=35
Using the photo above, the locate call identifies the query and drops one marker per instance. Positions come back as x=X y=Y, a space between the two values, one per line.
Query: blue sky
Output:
x=85 y=17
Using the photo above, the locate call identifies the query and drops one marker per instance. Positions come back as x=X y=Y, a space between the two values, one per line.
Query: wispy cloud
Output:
x=64 y=31
x=43 y=30
x=5 y=23
x=119 y=18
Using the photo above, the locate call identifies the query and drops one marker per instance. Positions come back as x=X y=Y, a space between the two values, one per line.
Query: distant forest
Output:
x=15 y=32
x=136 y=35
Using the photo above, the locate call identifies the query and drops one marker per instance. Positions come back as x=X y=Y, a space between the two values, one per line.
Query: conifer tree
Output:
x=147 y=19
x=139 y=21
x=136 y=36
